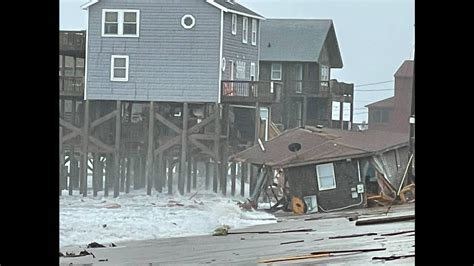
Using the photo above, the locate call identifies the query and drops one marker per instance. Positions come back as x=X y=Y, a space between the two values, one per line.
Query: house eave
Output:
x=88 y=4
x=211 y=2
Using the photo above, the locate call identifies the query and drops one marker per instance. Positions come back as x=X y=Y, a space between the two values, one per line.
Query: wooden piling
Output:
x=243 y=178
x=233 y=168
x=61 y=161
x=195 y=170
x=208 y=170
x=217 y=135
x=149 y=159
x=108 y=173
x=123 y=171
x=95 y=174
x=160 y=174
x=85 y=151
x=189 y=173
x=170 y=176
x=129 y=174
x=184 y=137
x=118 y=129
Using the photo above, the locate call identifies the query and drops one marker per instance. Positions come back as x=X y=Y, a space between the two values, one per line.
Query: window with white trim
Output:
x=245 y=28
x=276 y=71
x=234 y=24
x=252 y=71
x=254 y=32
x=119 y=68
x=326 y=176
x=120 y=23
x=324 y=74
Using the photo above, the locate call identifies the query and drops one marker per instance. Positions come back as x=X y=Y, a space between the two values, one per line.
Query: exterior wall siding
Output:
x=167 y=62
x=234 y=49
x=303 y=182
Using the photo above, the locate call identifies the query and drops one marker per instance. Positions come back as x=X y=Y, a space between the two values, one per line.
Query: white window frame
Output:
x=184 y=18
x=245 y=29
x=253 y=71
x=254 y=32
x=318 y=176
x=120 y=20
x=112 y=68
x=273 y=70
x=324 y=75
x=234 y=24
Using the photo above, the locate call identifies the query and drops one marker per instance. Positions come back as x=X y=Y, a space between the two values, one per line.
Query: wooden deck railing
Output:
x=71 y=86
x=250 y=91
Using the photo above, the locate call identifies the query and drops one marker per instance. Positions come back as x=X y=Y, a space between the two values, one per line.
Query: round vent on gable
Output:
x=188 y=21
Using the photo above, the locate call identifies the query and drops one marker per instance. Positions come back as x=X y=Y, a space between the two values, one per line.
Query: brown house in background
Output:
x=392 y=114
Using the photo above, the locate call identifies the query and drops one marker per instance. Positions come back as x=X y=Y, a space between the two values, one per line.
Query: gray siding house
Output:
x=167 y=50
x=300 y=54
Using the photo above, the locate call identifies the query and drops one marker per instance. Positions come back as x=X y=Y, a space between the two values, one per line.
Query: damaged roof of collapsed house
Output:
x=319 y=145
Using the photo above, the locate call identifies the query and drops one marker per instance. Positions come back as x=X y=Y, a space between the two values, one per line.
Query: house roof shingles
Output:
x=298 y=40
x=320 y=145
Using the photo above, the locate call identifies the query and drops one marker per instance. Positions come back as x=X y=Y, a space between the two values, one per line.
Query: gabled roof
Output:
x=236 y=8
x=300 y=40
x=221 y=4
x=406 y=69
x=385 y=103
x=320 y=146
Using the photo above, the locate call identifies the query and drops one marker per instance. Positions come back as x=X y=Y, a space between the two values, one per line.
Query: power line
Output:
x=374 y=90
x=375 y=83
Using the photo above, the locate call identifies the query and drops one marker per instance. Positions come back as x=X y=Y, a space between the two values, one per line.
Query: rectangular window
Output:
x=119 y=68
x=276 y=71
x=299 y=78
x=245 y=28
x=234 y=24
x=254 y=32
x=252 y=71
x=120 y=23
x=326 y=177
x=324 y=73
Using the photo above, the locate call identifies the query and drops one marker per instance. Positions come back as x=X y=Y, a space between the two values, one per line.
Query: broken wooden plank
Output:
x=393 y=257
x=347 y=251
x=354 y=235
x=273 y=232
x=398 y=233
x=386 y=220
x=319 y=254
x=291 y=242
x=294 y=258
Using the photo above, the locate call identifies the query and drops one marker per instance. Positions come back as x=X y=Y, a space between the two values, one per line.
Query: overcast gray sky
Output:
x=374 y=36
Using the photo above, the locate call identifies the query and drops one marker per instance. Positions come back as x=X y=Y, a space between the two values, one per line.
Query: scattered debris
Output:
x=61 y=254
x=348 y=251
x=247 y=206
x=193 y=195
x=386 y=220
x=393 y=257
x=104 y=260
x=242 y=238
x=355 y=235
x=95 y=245
x=319 y=254
x=112 y=245
x=111 y=205
x=319 y=239
x=221 y=231
x=353 y=218
x=82 y=253
x=104 y=226
x=273 y=232
x=378 y=238
x=291 y=242
x=398 y=233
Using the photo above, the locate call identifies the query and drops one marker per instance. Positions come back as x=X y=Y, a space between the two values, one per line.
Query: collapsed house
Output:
x=332 y=169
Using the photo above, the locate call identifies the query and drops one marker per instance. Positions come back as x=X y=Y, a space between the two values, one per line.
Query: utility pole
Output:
x=412 y=126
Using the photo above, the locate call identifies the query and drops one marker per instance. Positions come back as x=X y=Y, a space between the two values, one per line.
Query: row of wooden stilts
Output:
x=132 y=176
